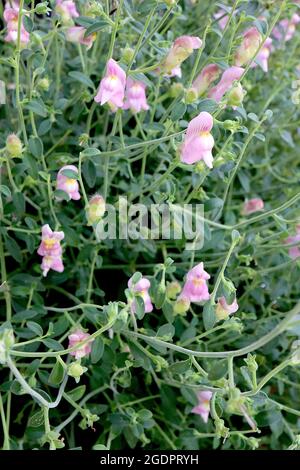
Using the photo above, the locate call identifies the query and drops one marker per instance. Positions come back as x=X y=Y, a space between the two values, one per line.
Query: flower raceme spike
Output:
x=112 y=86
x=225 y=84
x=203 y=407
x=286 y=28
x=95 y=209
x=198 y=142
x=208 y=75
x=223 y=309
x=262 y=58
x=67 y=184
x=11 y=15
x=67 y=10
x=135 y=96
x=195 y=288
x=84 y=349
x=141 y=288
x=76 y=34
x=253 y=205
x=181 y=49
x=294 y=251
x=250 y=43
x=51 y=250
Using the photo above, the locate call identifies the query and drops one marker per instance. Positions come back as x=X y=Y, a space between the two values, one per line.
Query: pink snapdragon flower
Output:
x=223 y=309
x=51 y=250
x=226 y=82
x=262 y=57
x=250 y=43
x=203 y=407
x=195 y=288
x=286 y=28
x=208 y=75
x=84 y=349
x=112 y=86
x=66 y=9
x=253 y=205
x=142 y=288
x=181 y=49
x=76 y=34
x=11 y=15
x=135 y=96
x=198 y=141
x=294 y=251
x=68 y=185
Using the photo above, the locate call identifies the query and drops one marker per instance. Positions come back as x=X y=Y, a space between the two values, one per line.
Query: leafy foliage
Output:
x=139 y=384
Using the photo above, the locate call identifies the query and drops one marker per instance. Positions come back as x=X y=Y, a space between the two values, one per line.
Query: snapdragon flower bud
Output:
x=95 y=209
x=173 y=288
x=42 y=8
x=295 y=360
x=14 y=146
x=7 y=340
x=76 y=370
x=176 y=89
x=169 y=3
x=94 y=9
x=181 y=305
x=191 y=95
x=44 y=84
x=236 y=95
x=160 y=363
x=127 y=54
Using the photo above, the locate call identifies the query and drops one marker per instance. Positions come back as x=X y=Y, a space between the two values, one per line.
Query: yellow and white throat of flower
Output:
x=198 y=282
x=112 y=79
x=49 y=243
x=70 y=184
x=205 y=136
x=143 y=293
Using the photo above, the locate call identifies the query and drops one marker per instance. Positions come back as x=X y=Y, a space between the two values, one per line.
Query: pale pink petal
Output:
x=201 y=123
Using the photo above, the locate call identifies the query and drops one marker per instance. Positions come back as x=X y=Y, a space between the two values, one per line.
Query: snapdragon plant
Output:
x=125 y=127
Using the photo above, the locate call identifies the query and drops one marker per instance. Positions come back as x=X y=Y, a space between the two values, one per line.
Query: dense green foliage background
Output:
x=135 y=392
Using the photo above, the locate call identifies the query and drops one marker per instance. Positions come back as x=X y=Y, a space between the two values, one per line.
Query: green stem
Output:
x=160 y=180
x=65 y=351
x=10 y=176
x=4 y=283
x=166 y=438
x=81 y=403
x=280 y=328
x=268 y=377
x=141 y=37
x=222 y=271
x=114 y=31
x=230 y=372
x=91 y=277
x=85 y=198
x=34 y=394
x=107 y=158
x=6 y=445
x=17 y=74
